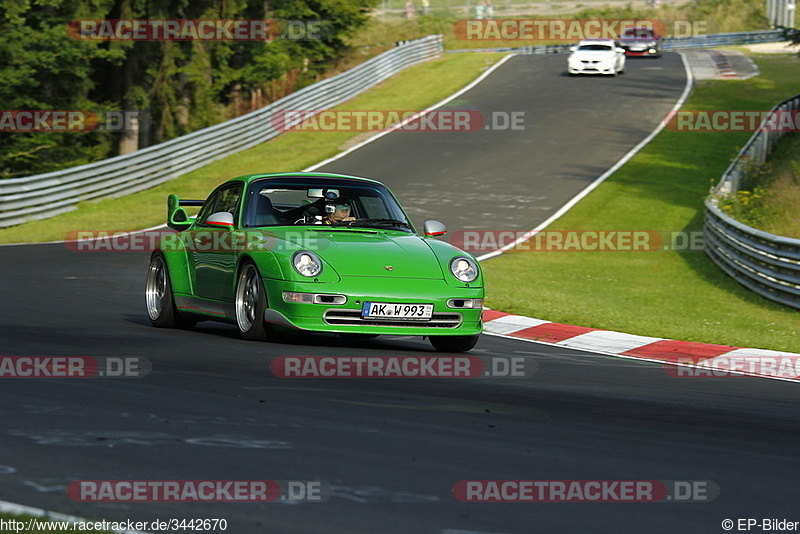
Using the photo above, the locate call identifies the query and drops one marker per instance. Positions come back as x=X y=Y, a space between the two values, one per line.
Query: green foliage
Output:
x=722 y=15
x=779 y=209
x=750 y=204
x=182 y=85
x=42 y=68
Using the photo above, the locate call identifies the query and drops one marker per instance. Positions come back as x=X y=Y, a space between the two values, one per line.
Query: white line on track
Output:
x=455 y=95
x=591 y=187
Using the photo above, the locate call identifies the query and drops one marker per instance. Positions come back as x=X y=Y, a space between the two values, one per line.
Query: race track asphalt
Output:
x=393 y=449
x=574 y=129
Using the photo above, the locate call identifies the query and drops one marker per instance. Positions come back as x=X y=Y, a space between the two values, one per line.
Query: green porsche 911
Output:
x=312 y=252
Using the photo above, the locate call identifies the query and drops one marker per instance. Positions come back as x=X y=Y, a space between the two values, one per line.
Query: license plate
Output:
x=391 y=310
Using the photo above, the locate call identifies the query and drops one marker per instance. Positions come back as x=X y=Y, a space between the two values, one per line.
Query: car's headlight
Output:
x=307 y=263
x=464 y=269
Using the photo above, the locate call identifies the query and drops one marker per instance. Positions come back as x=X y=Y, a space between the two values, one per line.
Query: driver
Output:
x=337 y=212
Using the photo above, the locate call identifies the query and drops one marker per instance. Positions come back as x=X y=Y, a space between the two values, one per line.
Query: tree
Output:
x=179 y=86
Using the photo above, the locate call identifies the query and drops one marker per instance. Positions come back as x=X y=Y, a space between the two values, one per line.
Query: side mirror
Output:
x=222 y=219
x=573 y=48
x=620 y=50
x=434 y=229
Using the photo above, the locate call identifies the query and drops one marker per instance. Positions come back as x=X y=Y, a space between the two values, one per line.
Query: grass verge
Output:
x=679 y=295
x=783 y=189
x=771 y=200
x=413 y=89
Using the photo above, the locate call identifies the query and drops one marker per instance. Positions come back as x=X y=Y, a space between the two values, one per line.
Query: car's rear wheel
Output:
x=453 y=343
x=251 y=302
x=158 y=293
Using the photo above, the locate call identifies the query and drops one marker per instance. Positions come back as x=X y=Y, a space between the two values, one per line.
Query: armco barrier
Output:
x=702 y=41
x=45 y=195
x=765 y=263
x=724 y=39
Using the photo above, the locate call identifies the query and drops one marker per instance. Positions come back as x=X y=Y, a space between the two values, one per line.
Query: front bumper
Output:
x=345 y=317
x=592 y=69
x=642 y=52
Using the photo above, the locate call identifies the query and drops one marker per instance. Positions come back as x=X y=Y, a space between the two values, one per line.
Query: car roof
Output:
x=333 y=178
x=596 y=41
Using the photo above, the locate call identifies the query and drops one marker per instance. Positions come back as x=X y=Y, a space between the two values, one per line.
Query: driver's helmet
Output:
x=342 y=202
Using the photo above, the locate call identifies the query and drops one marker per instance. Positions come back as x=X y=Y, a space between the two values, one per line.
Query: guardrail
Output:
x=46 y=195
x=762 y=262
x=724 y=39
x=702 y=41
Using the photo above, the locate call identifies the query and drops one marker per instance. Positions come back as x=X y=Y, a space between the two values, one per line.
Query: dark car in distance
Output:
x=640 y=42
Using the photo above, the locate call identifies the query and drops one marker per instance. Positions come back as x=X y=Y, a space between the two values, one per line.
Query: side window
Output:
x=226 y=199
x=229 y=200
x=208 y=208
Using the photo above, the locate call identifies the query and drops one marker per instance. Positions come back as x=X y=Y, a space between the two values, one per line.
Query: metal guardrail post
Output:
x=762 y=262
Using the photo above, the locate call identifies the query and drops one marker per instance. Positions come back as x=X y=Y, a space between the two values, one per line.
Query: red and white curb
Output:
x=722 y=65
x=654 y=349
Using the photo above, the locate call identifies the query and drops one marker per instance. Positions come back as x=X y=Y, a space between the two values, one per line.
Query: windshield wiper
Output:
x=380 y=222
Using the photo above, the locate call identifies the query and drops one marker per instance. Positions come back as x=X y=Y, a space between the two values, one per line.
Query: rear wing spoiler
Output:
x=177 y=219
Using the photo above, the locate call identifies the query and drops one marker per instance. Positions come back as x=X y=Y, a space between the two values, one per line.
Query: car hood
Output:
x=389 y=254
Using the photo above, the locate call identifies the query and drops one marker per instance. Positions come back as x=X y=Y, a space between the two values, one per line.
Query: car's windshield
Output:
x=637 y=34
x=309 y=201
x=596 y=47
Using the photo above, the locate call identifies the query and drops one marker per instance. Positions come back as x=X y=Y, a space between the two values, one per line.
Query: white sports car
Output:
x=596 y=56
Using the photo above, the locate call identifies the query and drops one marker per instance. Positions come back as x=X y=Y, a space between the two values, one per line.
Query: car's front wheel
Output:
x=158 y=293
x=453 y=343
x=251 y=302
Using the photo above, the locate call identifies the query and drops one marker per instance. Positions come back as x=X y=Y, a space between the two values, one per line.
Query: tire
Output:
x=453 y=343
x=161 y=307
x=250 y=303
